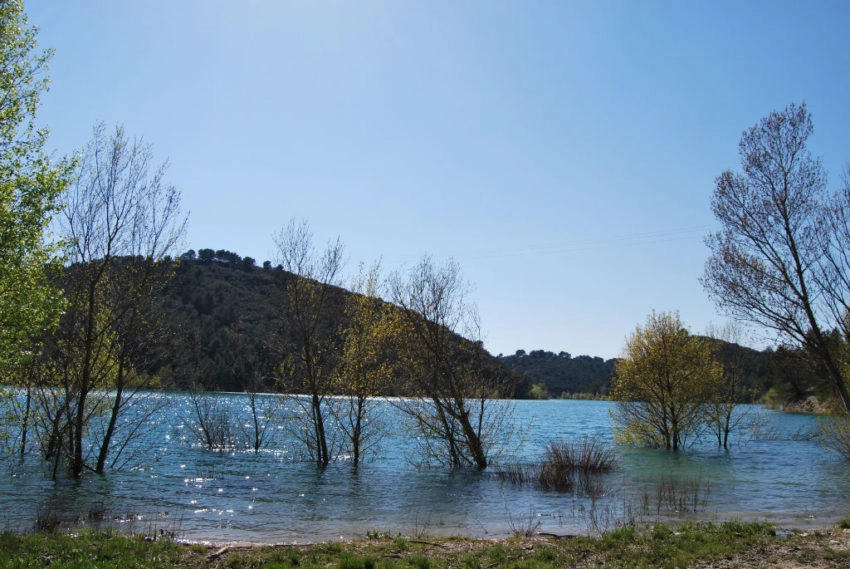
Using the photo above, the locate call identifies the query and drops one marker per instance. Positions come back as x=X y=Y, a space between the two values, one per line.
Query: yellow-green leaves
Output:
x=365 y=369
x=662 y=382
x=29 y=192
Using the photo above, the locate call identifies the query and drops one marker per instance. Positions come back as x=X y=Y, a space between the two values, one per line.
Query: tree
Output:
x=249 y=361
x=662 y=382
x=121 y=222
x=30 y=187
x=459 y=422
x=720 y=409
x=365 y=370
x=780 y=259
x=307 y=306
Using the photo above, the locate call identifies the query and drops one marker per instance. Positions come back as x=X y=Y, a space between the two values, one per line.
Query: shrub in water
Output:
x=583 y=457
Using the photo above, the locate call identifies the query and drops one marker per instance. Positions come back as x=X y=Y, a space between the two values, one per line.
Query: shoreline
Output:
x=783 y=530
x=691 y=546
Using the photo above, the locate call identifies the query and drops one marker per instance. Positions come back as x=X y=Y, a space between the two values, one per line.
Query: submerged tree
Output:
x=721 y=417
x=121 y=222
x=662 y=382
x=455 y=409
x=365 y=369
x=307 y=306
x=780 y=259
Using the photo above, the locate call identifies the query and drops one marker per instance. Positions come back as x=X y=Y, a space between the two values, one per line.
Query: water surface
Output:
x=172 y=483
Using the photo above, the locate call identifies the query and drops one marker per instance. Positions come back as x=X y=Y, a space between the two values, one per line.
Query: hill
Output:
x=226 y=323
x=562 y=375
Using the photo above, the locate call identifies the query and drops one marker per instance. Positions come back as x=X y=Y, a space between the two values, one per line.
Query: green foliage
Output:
x=663 y=383
x=88 y=550
x=538 y=391
x=222 y=322
x=30 y=187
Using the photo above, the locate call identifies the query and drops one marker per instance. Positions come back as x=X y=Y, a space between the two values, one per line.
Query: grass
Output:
x=732 y=544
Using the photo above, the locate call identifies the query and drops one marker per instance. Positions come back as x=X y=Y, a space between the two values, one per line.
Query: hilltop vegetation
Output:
x=561 y=375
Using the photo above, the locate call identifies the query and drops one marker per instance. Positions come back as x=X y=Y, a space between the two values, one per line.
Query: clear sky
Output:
x=563 y=153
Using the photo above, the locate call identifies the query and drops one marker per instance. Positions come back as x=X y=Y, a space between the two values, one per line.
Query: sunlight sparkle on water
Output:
x=761 y=478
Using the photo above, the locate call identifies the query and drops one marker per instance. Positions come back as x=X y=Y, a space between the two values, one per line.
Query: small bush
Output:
x=567 y=466
x=525 y=526
x=564 y=460
x=586 y=455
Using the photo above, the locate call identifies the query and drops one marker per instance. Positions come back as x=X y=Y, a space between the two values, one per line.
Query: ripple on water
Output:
x=268 y=497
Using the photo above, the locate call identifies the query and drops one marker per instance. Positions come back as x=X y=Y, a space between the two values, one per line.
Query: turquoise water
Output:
x=171 y=483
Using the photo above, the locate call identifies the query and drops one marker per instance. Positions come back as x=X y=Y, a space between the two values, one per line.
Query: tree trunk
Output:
x=113 y=420
x=473 y=441
x=356 y=433
x=25 y=422
x=322 y=454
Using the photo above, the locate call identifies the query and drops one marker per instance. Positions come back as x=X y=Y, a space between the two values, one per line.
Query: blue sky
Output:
x=563 y=153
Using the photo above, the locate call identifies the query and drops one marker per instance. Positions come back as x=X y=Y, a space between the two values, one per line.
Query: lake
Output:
x=774 y=471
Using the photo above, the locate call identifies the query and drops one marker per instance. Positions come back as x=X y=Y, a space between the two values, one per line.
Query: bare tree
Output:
x=721 y=417
x=209 y=419
x=309 y=312
x=780 y=259
x=454 y=410
x=122 y=221
x=264 y=410
x=250 y=364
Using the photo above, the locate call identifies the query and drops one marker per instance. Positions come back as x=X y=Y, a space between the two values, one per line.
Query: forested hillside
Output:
x=561 y=374
x=221 y=320
x=226 y=325
x=547 y=374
